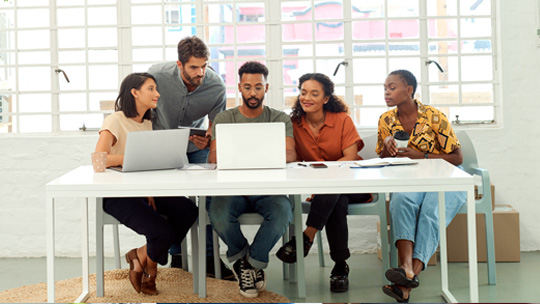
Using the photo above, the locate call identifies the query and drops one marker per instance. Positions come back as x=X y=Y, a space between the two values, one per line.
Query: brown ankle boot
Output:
x=148 y=285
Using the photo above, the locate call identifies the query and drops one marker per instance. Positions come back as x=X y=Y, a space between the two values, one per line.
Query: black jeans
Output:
x=330 y=211
x=169 y=223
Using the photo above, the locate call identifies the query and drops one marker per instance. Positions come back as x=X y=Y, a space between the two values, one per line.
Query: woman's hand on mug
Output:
x=390 y=145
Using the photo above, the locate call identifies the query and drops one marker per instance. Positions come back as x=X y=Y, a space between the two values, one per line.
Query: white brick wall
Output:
x=509 y=153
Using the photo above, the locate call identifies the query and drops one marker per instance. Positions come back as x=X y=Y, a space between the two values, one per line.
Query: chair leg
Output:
x=320 y=248
x=184 y=250
x=116 y=240
x=99 y=247
x=285 y=266
x=195 y=256
x=217 y=260
x=490 y=248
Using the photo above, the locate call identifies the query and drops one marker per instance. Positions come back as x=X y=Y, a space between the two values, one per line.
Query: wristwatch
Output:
x=426 y=155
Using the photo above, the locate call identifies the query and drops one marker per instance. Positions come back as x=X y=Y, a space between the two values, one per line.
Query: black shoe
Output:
x=244 y=273
x=339 y=277
x=287 y=252
x=260 y=279
x=226 y=273
x=176 y=260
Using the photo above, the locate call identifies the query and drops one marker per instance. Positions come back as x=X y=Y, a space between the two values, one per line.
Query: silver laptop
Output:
x=155 y=150
x=250 y=146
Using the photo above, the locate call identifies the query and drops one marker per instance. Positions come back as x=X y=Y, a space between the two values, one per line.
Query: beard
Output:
x=194 y=81
x=252 y=106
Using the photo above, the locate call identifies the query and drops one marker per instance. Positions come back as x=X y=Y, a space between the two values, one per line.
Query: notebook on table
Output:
x=155 y=150
x=250 y=146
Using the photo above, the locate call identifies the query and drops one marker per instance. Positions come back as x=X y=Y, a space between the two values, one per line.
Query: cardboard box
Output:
x=479 y=196
x=432 y=261
x=506 y=231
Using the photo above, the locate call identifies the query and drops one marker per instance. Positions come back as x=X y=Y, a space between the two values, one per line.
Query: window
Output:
x=357 y=43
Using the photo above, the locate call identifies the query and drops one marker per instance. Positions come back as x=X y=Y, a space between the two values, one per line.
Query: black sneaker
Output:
x=226 y=273
x=244 y=273
x=176 y=260
x=260 y=279
x=339 y=277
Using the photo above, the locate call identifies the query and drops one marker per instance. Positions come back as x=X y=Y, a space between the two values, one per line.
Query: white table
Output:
x=430 y=175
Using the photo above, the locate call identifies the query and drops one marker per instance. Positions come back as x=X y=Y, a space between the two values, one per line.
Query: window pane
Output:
x=328 y=10
x=77 y=78
x=252 y=51
x=250 y=33
x=102 y=56
x=442 y=8
x=297 y=10
x=444 y=94
x=103 y=77
x=69 y=2
x=147 y=36
x=250 y=12
x=402 y=8
x=103 y=101
x=476 y=46
x=71 y=56
x=102 y=15
x=474 y=68
x=34 y=78
x=173 y=34
x=367 y=117
x=369 y=49
x=100 y=37
x=298 y=50
x=375 y=66
x=472 y=113
x=477 y=93
x=404 y=48
x=147 y=14
x=71 y=38
x=475 y=7
x=293 y=69
x=399 y=29
x=70 y=16
x=33 y=58
x=476 y=27
x=368 y=9
x=328 y=66
x=33 y=39
x=328 y=49
x=369 y=95
x=412 y=64
x=218 y=13
x=155 y=54
x=449 y=66
x=7 y=79
x=72 y=122
x=34 y=103
x=32 y=17
x=35 y=123
x=443 y=47
x=72 y=102
x=293 y=32
x=442 y=28
x=368 y=30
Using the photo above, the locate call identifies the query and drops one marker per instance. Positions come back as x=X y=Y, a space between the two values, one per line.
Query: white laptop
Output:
x=250 y=146
x=155 y=150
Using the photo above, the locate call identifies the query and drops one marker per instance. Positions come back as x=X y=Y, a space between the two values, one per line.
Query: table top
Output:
x=339 y=177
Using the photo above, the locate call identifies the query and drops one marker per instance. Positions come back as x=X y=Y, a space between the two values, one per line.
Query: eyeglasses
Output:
x=258 y=89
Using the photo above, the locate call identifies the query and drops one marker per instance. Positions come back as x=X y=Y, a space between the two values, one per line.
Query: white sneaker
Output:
x=260 y=279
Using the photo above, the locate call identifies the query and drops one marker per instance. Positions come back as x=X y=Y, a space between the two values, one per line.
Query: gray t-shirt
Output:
x=268 y=115
x=177 y=107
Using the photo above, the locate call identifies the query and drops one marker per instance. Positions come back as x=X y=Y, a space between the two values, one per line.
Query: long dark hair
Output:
x=125 y=101
x=334 y=104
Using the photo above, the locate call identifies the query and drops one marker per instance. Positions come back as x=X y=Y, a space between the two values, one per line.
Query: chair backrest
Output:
x=370 y=143
x=470 y=160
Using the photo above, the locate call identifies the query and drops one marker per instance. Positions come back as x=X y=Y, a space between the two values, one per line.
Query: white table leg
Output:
x=471 y=237
x=300 y=275
x=85 y=259
x=447 y=295
x=49 y=207
x=202 y=247
x=195 y=257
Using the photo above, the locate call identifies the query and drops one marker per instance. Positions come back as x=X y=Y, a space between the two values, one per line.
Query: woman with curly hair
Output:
x=324 y=131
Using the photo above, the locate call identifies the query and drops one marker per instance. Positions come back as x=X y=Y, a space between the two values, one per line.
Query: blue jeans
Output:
x=224 y=211
x=198 y=157
x=415 y=217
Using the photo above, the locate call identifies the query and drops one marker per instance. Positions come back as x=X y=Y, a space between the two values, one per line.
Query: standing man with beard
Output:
x=189 y=93
x=250 y=259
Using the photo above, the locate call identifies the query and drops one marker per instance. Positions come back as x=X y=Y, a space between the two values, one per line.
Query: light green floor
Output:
x=516 y=282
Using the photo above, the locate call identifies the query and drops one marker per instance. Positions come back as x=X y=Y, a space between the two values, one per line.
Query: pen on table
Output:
x=302 y=164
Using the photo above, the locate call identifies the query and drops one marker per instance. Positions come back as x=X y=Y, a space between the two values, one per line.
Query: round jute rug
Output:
x=174 y=285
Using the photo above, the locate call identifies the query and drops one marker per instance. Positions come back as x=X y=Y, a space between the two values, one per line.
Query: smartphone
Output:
x=198 y=132
x=318 y=165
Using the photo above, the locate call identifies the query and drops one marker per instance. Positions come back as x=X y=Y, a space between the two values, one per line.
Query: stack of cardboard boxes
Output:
x=506 y=231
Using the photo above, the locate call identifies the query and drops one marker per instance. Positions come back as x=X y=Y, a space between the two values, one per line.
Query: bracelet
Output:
x=426 y=156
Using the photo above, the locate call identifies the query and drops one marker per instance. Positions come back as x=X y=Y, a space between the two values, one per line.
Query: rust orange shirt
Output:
x=337 y=133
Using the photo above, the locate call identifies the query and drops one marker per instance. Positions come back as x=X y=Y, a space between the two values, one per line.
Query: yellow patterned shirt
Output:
x=432 y=132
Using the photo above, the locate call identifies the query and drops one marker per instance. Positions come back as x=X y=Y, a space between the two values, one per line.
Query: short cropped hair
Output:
x=192 y=47
x=408 y=77
x=125 y=101
x=253 y=67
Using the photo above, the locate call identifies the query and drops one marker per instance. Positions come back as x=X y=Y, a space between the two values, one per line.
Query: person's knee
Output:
x=281 y=214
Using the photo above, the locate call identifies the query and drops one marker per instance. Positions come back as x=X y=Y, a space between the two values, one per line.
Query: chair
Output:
x=483 y=205
x=102 y=219
x=376 y=207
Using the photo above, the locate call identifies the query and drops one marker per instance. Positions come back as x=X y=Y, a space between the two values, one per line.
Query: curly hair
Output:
x=334 y=104
x=253 y=67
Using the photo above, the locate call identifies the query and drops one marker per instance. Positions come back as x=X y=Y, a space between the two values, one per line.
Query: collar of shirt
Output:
x=329 y=120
